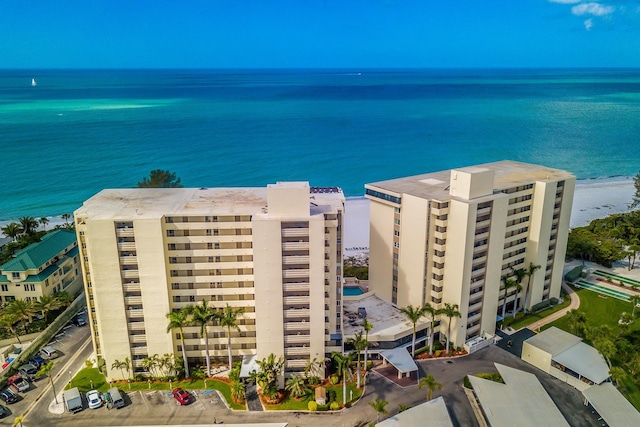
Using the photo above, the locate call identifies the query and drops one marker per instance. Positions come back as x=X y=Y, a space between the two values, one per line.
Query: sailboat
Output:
x=33 y=82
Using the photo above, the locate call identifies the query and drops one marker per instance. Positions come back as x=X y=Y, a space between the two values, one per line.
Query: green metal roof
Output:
x=37 y=254
x=40 y=277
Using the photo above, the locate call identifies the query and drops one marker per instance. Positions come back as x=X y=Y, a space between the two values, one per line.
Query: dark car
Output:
x=28 y=371
x=79 y=321
x=37 y=361
x=8 y=396
x=182 y=396
x=3 y=411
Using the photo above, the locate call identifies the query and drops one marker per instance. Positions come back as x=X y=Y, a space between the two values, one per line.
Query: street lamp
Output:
x=69 y=377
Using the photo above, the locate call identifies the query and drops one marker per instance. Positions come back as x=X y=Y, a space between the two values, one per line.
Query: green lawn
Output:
x=523 y=320
x=89 y=379
x=606 y=311
x=290 y=404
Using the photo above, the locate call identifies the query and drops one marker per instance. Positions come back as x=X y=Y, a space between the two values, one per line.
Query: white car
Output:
x=94 y=399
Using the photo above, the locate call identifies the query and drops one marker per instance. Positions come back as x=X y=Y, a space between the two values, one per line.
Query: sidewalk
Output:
x=575 y=303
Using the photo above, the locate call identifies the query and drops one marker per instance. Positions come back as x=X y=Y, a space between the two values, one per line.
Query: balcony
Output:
x=297 y=363
x=297 y=273
x=297 y=339
x=129 y=260
x=135 y=314
x=296 y=300
x=131 y=287
x=130 y=274
x=133 y=300
x=297 y=351
x=138 y=339
x=297 y=326
x=296 y=313
x=295 y=232
x=126 y=246
x=295 y=287
x=124 y=232
x=137 y=363
x=297 y=259
x=295 y=246
x=139 y=351
x=136 y=326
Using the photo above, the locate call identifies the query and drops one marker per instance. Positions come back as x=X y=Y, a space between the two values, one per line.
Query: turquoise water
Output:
x=78 y=132
x=351 y=291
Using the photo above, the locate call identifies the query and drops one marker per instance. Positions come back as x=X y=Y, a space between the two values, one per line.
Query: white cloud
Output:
x=588 y=24
x=595 y=9
x=565 y=1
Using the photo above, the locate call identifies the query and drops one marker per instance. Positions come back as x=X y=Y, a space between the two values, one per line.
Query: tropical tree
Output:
x=43 y=222
x=46 y=304
x=267 y=378
x=64 y=297
x=121 y=366
x=413 y=314
x=624 y=323
x=432 y=312
x=343 y=368
x=635 y=300
x=237 y=391
x=28 y=225
x=508 y=284
x=636 y=197
x=45 y=369
x=450 y=311
x=159 y=178
x=202 y=315
x=228 y=318
x=577 y=321
x=617 y=374
x=606 y=347
x=430 y=382
x=151 y=364
x=296 y=386
x=313 y=369
x=358 y=343
x=531 y=270
x=12 y=230
x=8 y=320
x=23 y=310
x=366 y=327
x=380 y=406
x=66 y=218
x=198 y=373
x=178 y=320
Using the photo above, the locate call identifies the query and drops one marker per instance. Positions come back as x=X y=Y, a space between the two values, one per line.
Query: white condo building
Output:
x=274 y=251
x=451 y=236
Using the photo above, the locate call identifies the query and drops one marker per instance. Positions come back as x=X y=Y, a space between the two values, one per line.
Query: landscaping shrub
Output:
x=554 y=301
x=312 y=406
x=466 y=382
x=332 y=395
x=369 y=365
x=323 y=407
x=334 y=379
x=539 y=306
x=334 y=406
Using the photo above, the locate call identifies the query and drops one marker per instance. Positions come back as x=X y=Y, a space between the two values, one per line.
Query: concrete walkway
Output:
x=575 y=303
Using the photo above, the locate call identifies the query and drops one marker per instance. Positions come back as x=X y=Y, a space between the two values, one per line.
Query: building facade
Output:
x=276 y=252
x=454 y=236
x=42 y=269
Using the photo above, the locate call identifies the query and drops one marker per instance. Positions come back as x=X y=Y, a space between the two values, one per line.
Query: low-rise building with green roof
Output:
x=43 y=268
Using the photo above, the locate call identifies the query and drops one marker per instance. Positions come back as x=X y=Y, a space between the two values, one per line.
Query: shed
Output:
x=321 y=395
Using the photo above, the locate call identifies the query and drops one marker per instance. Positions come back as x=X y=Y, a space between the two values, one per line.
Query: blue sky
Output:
x=318 y=33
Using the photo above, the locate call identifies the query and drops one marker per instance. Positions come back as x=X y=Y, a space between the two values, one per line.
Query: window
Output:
x=209 y=245
x=26 y=287
x=5 y=288
x=32 y=287
x=170 y=233
x=208 y=232
x=15 y=275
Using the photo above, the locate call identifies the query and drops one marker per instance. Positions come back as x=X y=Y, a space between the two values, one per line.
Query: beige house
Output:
x=275 y=251
x=43 y=268
x=451 y=236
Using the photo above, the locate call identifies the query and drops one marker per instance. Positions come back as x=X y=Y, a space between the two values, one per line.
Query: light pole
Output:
x=69 y=377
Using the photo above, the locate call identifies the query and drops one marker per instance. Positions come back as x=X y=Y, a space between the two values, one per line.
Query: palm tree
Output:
x=518 y=288
x=64 y=297
x=366 y=326
x=430 y=383
x=66 y=218
x=433 y=312
x=228 y=318
x=203 y=315
x=178 y=320
x=531 y=270
x=635 y=300
x=43 y=222
x=23 y=310
x=237 y=391
x=12 y=230
x=46 y=304
x=576 y=320
x=45 y=369
x=606 y=347
x=267 y=377
x=508 y=283
x=450 y=311
x=617 y=374
x=380 y=406
x=28 y=224
x=117 y=364
x=414 y=314
x=150 y=363
x=8 y=321
x=358 y=344
x=343 y=368
x=296 y=386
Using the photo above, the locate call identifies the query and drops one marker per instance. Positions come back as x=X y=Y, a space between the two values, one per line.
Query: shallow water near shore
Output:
x=78 y=132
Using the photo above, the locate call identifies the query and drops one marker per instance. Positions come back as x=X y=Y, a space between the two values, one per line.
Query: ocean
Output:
x=79 y=131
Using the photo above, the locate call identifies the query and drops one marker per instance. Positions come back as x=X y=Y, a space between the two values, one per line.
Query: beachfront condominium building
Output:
x=275 y=252
x=454 y=237
x=42 y=269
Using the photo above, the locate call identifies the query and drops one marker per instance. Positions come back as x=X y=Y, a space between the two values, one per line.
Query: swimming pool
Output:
x=352 y=291
x=603 y=290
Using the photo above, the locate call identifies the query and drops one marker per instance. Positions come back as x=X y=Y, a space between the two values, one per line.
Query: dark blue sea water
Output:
x=78 y=132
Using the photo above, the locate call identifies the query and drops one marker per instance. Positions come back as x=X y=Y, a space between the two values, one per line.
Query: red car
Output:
x=182 y=396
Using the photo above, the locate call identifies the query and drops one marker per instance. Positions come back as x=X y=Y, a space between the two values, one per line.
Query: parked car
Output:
x=18 y=383
x=8 y=396
x=37 y=361
x=94 y=399
x=48 y=352
x=28 y=371
x=182 y=396
x=79 y=320
x=4 y=411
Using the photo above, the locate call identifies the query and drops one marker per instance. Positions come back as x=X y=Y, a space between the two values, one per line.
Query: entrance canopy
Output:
x=249 y=364
x=400 y=359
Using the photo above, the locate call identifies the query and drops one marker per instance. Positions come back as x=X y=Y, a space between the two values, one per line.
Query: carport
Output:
x=612 y=406
x=400 y=359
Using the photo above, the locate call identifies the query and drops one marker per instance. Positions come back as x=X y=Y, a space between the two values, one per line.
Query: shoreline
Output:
x=593 y=198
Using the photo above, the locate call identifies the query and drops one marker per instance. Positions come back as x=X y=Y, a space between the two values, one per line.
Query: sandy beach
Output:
x=595 y=198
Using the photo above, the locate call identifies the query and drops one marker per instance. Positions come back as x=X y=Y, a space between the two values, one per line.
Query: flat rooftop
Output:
x=435 y=411
x=388 y=321
x=435 y=185
x=147 y=203
x=554 y=341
